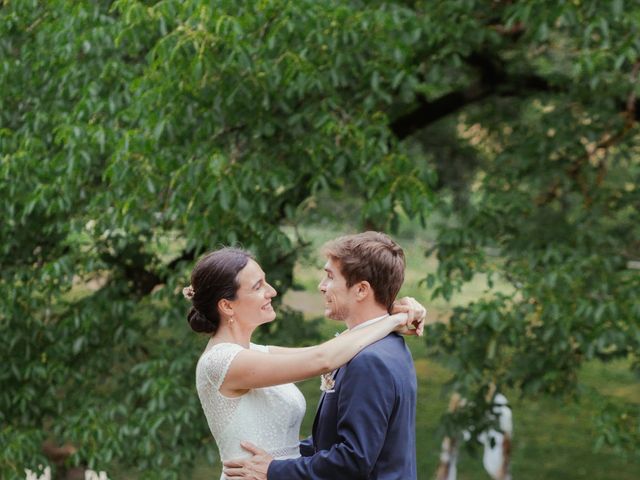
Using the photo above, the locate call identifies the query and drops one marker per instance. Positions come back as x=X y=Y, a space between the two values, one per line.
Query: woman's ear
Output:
x=225 y=307
x=363 y=290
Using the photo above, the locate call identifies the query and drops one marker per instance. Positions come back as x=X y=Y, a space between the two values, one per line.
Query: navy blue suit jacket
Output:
x=365 y=429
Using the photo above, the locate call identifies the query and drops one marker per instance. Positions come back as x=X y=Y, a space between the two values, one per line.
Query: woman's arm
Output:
x=288 y=350
x=251 y=369
x=409 y=305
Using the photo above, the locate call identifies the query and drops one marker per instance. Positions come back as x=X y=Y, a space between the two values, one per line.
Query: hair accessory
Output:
x=188 y=292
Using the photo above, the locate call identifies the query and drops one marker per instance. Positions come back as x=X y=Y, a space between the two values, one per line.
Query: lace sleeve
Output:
x=215 y=363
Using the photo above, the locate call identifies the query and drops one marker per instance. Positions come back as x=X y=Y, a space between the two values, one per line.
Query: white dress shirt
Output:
x=369 y=322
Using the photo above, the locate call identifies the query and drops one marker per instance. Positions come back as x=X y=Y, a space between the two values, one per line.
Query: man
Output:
x=365 y=424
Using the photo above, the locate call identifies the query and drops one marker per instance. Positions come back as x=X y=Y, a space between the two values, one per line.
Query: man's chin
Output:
x=330 y=314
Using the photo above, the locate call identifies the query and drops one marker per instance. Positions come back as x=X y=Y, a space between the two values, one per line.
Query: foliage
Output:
x=551 y=205
x=135 y=135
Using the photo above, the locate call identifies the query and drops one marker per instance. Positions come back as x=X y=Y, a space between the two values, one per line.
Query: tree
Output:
x=136 y=135
x=548 y=123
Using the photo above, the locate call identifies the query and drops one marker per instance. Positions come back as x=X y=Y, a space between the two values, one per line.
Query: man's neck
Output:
x=364 y=315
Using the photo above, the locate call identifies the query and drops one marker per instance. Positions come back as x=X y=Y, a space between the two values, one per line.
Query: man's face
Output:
x=338 y=298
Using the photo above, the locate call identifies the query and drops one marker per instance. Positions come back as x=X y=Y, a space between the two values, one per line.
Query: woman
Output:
x=245 y=389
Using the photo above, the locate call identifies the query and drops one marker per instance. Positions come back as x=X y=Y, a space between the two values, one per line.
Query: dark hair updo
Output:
x=213 y=278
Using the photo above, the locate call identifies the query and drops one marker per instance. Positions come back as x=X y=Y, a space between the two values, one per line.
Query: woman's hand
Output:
x=416 y=315
x=404 y=326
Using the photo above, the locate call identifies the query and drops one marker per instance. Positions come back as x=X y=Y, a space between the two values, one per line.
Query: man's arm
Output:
x=366 y=400
x=306 y=447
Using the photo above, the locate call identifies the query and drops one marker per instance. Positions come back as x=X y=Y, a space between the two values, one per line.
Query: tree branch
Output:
x=429 y=112
x=494 y=80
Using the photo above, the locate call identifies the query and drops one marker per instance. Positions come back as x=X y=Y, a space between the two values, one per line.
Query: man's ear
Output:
x=225 y=307
x=363 y=290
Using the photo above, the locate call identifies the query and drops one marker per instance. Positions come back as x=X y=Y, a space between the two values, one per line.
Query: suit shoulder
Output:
x=386 y=352
x=391 y=343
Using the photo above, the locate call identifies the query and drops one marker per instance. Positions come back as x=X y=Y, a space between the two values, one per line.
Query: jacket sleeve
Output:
x=365 y=403
x=306 y=447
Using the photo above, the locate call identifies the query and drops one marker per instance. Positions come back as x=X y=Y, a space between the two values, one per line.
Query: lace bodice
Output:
x=267 y=417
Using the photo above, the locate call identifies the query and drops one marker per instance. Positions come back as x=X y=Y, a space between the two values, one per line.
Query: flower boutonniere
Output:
x=327 y=383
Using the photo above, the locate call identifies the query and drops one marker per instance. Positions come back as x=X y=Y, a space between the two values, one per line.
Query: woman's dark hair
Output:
x=213 y=278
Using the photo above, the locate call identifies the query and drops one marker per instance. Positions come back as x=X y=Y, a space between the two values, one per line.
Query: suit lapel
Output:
x=319 y=409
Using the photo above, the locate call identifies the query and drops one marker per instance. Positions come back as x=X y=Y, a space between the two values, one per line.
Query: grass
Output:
x=553 y=438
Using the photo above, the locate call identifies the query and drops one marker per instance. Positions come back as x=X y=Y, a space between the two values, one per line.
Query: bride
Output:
x=245 y=389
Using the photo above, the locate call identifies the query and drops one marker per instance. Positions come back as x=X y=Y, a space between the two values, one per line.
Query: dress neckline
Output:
x=212 y=347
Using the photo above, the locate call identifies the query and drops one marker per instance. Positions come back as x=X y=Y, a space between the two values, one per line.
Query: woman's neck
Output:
x=233 y=333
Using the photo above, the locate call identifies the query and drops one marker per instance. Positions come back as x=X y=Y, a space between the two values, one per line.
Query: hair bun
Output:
x=214 y=277
x=200 y=323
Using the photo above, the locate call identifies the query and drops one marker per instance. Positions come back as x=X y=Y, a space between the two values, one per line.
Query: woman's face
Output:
x=253 y=299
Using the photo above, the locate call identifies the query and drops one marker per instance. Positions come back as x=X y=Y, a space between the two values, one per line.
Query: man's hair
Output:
x=370 y=256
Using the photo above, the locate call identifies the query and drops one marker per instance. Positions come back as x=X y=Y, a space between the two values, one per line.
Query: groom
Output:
x=365 y=424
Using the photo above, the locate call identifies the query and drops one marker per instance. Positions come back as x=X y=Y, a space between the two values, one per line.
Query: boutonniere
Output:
x=327 y=383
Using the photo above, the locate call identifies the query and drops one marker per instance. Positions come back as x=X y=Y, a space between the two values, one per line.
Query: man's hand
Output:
x=414 y=310
x=253 y=468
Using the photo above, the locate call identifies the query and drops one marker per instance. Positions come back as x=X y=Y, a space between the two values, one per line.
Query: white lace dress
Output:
x=267 y=417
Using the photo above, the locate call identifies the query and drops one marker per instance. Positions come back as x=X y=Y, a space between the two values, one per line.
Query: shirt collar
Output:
x=369 y=322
